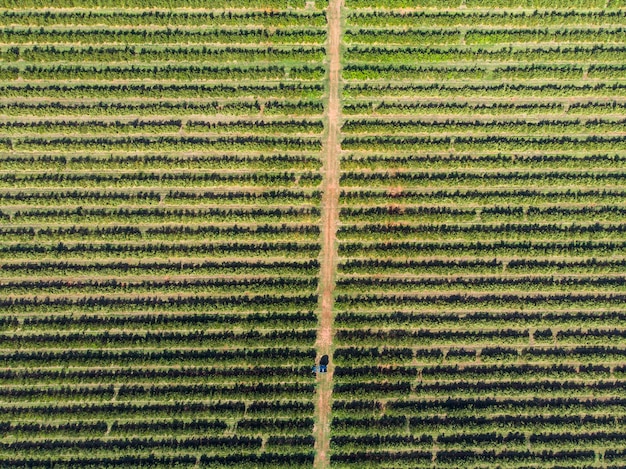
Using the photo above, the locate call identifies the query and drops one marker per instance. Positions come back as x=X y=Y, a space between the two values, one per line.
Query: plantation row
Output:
x=196 y=284
x=481 y=5
x=129 y=6
x=487 y=109
x=426 y=214
x=168 y=161
x=482 y=36
x=249 y=143
x=248 y=356
x=475 y=162
x=421 y=337
x=440 y=18
x=505 y=248
x=202 y=375
x=461 y=199
x=148 y=180
x=162 y=126
x=143 y=108
x=485 y=373
x=141 y=54
x=358 y=71
x=162 y=214
x=109 y=250
x=491 y=90
x=381 y=143
x=138 y=393
x=503 y=231
x=458 y=127
x=156 y=339
x=150 y=427
x=592 y=54
x=251 y=233
x=165 y=89
x=299 y=319
x=172 y=197
x=162 y=72
x=483 y=319
x=151 y=17
x=244 y=460
x=155 y=35
x=278 y=302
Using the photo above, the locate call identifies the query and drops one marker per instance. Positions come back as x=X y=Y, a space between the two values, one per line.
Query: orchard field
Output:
x=199 y=199
x=160 y=206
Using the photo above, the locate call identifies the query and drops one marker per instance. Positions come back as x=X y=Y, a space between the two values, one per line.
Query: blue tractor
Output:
x=322 y=367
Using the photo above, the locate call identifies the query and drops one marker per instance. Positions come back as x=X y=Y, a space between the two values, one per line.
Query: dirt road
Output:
x=330 y=215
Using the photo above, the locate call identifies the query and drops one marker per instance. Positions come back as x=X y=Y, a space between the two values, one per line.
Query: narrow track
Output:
x=330 y=203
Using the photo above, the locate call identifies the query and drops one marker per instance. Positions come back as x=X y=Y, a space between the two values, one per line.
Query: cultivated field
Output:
x=480 y=294
x=197 y=201
x=160 y=207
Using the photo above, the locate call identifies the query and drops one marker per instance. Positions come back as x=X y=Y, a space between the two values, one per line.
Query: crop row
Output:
x=469 y=372
x=477 y=409
x=493 y=231
x=164 y=72
x=483 y=4
x=509 y=300
x=171 y=357
x=590 y=54
x=493 y=17
x=106 y=197
x=473 y=338
x=481 y=161
x=444 y=214
x=150 y=339
x=481 y=108
x=164 y=179
x=358 y=71
x=351 y=356
x=243 y=460
x=219 y=285
x=126 y=251
x=457 y=91
x=165 y=108
x=152 y=214
x=163 y=90
x=165 y=143
x=250 y=233
x=143 y=126
x=163 y=4
x=242 y=302
x=155 y=35
x=147 y=55
x=561 y=284
x=146 y=161
x=434 y=142
x=484 y=36
x=594 y=250
x=163 y=17
x=293 y=320
x=462 y=126
x=473 y=320
x=154 y=392
x=154 y=427
x=134 y=376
